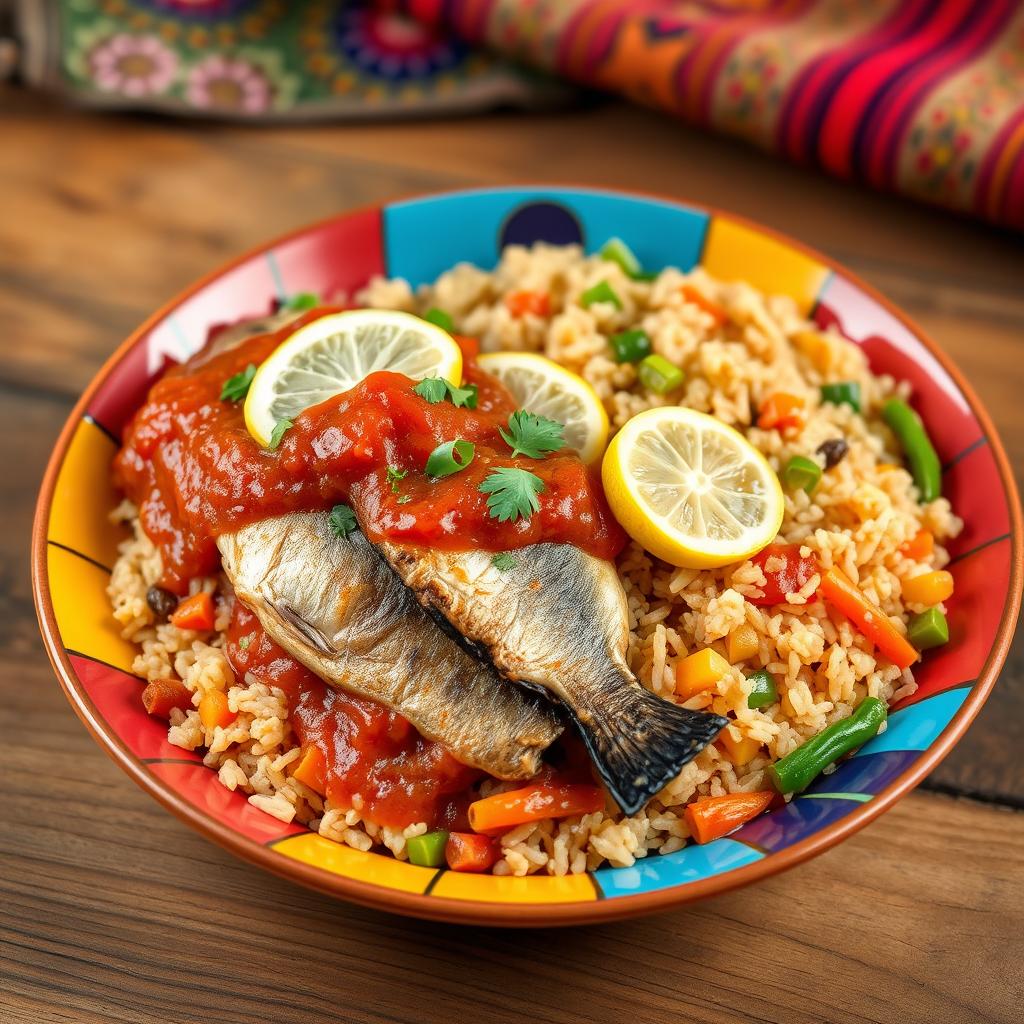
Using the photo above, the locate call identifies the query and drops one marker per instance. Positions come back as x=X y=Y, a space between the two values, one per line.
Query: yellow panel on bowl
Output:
x=80 y=603
x=457 y=885
x=374 y=868
x=84 y=495
x=734 y=252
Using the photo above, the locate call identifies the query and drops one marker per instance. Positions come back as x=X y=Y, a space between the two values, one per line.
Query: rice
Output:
x=861 y=513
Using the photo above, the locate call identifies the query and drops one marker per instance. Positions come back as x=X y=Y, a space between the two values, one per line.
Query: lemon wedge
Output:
x=546 y=389
x=334 y=353
x=690 y=489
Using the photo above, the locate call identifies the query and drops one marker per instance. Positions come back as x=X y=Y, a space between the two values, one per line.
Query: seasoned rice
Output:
x=864 y=509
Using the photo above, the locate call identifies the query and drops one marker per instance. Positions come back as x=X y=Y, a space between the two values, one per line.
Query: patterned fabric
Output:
x=264 y=58
x=925 y=97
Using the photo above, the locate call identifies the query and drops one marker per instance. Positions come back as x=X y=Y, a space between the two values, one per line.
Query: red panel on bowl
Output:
x=201 y=788
x=971 y=483
x=118 y=698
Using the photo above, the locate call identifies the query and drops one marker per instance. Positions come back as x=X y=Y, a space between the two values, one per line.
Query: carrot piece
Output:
x=692 y=295
x=699 y=672
x=312 y=769
x=920 y=546
x=465 y=851
x=470 y=346
x=837 y=589
x=195 y=612
x=162 y=696
x=541 y=800
x=781 y=410
x=738 y=748
x=716 y=816
x=214 y=710
x=521 y=303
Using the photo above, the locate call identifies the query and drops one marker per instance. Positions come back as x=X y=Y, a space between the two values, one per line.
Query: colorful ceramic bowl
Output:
x=74 y=546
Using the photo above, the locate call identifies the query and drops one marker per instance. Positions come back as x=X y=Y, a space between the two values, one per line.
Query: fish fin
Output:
x=642 y=744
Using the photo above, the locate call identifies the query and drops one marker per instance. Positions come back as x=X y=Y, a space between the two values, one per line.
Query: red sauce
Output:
x=371 y=753
x=191 y=466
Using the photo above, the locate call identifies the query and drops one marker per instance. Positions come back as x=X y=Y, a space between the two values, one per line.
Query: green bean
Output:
x=797 y=770
x=917 y=446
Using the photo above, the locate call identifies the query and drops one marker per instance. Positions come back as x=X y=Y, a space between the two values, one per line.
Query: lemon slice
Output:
x=547 y=389
x=332 y=354
x=690 y=489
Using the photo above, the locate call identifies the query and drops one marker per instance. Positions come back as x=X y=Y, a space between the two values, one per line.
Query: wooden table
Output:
x=111 y=910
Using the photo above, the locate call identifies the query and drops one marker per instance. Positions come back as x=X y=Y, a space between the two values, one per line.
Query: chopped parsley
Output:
x=394 y=476
x=237 y=387
x=532 y=435
x=342 y=521
x=244 y=642
x=278 y=432
x=436 y=389
x=504 y=561
x=513 y=493
x=405 y=499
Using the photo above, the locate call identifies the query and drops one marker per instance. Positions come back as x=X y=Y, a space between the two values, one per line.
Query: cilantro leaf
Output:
x=278 y=432
x=504 y=561
x=237 y=387
x=395 y=474
x=244 y=642
x=405 y=499
x=513 y=493
x=532 y=435
x=342 y=521
x=436 y=389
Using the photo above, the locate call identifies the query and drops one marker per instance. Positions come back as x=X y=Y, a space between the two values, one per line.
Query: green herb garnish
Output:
x=405 y=499
x=394 y=476
x=436 y=389
x=237 y=387
x=278 y=432
x=342 y=521
x=504 y=561
x=301 y=302
x=513 y=493
x=600 y=292
x=244 y=642
x=531 y=435
x=450 y=457
x=439 y=318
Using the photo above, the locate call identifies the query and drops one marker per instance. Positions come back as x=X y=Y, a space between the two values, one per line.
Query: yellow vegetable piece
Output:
x=699 y=672
x=740 y=749
x=930 y=588
x=816 y=348
x=742 y=643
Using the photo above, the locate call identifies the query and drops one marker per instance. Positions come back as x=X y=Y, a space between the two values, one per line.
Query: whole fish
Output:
x=334 y=605
x=558 y=621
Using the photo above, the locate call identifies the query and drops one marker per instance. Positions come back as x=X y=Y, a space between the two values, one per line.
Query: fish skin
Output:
x=337 y=607
x=558 y=621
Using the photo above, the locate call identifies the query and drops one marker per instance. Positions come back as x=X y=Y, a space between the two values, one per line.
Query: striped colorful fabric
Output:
x=924 y=97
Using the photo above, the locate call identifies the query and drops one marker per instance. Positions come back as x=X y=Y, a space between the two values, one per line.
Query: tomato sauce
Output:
x=374 y=758
x=191 y=466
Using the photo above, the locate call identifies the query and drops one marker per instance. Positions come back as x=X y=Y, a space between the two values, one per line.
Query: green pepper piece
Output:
x=302 y=301
x=600 y=292
x=846 y=392
x=657 y=374
x=762 y=689
x=928 y=629
x=440 y=318
x=427 y=850
x=615 y=250
x=801 y=472
x=797 y=770
x=917 y=446
x=630 y=346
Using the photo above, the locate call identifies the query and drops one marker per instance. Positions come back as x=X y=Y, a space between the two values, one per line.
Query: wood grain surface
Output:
x=111 y=910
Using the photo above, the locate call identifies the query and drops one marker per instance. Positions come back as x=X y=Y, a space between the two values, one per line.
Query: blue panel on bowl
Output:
x=916 y=727
x=796 y=821
x=425 y=237
x=690 y=864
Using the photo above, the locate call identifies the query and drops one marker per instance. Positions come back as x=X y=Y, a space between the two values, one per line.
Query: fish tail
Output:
x=643 y=743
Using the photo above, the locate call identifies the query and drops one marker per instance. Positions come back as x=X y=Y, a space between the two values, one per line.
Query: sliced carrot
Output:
x=195 y=612
x=780 y=411
x=470 y=346
x=919 y=547
x=465 y=851
x=521 y=303
x=692 y=295
x=840 y=592
x=312 y=769
x=716 y=816
x=162 y=696
x=541 y=800
x=214 y=710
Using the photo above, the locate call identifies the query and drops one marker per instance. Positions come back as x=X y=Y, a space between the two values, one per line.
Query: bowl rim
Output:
x=458 y=911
